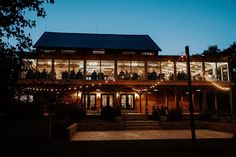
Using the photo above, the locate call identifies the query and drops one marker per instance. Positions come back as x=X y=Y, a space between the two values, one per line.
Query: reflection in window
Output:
x=92 y=69
x=76 y=69
x=107 y=70
x=210 y=71
x=107 y=100
x=222 y=71
x=138 y=70
x=181 y=71
x=153 y=69
x=124 y=70
x=61 y=69
x=167 y=70
x=196 y=71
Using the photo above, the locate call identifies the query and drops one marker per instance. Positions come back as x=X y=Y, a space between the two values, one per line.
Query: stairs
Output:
x=140 y=122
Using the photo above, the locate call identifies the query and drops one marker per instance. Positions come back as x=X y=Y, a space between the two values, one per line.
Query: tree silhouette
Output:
x=13 y=26
x=212 y=51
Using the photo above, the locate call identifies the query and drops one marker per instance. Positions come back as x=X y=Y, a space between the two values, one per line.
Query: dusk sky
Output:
x=172 y=24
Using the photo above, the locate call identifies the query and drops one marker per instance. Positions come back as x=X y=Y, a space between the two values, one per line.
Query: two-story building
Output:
x=96 y=70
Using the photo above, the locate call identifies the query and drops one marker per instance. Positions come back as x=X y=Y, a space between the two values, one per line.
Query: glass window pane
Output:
x=181 y=71
x=124 y=70
x=123 y=101
x=167 y=70
x=28 y=69
x=222 y=71
x=138 y=70
x=210 y=71
x=153 y=69
x=44 y=64
x=104 y=100
x=130 y=101
x=196 y=71
x=76 y=69
x=61 y=69
x=92 y=69
x=107 y=70
x=111 y=100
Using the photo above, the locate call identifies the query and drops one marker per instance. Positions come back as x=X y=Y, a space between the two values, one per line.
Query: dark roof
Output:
x=96 y=41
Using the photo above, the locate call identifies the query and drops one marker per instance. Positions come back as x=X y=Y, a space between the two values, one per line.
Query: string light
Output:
x=220 y=87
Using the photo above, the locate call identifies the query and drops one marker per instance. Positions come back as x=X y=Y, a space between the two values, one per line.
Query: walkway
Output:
x=148 y=135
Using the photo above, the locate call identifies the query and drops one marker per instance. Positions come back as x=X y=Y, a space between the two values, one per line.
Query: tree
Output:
x=212 y=51
x=13 y=40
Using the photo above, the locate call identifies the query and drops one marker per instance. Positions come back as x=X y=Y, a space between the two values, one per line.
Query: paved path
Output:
x=147 y=135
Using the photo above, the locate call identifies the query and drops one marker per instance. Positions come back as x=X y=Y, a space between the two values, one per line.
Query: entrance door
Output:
x=90 y=102
x=107 y=100
x=127 y=101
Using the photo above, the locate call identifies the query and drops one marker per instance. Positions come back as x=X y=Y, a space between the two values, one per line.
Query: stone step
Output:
x=142 y=127
x=143 y=123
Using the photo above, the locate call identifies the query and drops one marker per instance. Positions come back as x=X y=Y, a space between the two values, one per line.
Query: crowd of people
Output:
x=127 y=76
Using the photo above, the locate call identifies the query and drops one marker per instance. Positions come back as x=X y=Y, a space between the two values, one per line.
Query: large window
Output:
x=92 y=69
x=196 y=71
x=167 y=70
x=76 y=69
x=44 y=64
x=61 y=69
x=124 y=70
x=181 y=71
x=107 y=70
x=127 y=101
x=210 y=71
x=138 y=70
x=222 y=71
x=153 y=69
x=28 y=69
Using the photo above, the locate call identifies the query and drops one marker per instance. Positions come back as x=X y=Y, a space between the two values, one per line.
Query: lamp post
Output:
x=190 y=98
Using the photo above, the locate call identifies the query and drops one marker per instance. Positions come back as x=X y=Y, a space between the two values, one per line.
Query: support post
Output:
x=190 y=98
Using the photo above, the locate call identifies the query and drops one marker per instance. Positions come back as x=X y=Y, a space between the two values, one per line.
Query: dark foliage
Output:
x=175 y=114
x=108 y=113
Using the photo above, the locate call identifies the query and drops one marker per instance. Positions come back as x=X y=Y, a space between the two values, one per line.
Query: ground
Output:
x=29 y=138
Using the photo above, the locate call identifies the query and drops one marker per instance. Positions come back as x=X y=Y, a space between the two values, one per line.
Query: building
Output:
x=96 y=70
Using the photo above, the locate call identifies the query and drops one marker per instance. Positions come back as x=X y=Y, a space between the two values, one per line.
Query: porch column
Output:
x=115 y=70
x=84 y=70
x=146 y=71
x=166 y=99
x=175 y=76
x=216 y=103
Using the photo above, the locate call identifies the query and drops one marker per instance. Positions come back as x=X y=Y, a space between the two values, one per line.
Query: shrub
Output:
x=175 y=114
x=108 y=113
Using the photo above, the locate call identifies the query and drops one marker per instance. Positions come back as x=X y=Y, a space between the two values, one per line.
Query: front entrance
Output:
x=127 y=101
x=107 y=100
x=90 y=102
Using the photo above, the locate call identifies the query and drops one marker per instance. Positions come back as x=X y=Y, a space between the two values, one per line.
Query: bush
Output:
x=108 y=113
x=175 y=115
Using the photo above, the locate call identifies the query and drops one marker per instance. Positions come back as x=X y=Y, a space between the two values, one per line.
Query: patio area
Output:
x=148 y=135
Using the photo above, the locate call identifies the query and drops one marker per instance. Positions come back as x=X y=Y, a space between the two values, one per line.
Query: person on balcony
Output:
x=153 y=75
x=72 y=74
x=52 y=75
x=100 y=76
x=94 y=75
x=127 y=75
x=135 y=76
x=121 y=75
x=30 y=74
x=79 y=75
x=65 y=75
x=44 y=74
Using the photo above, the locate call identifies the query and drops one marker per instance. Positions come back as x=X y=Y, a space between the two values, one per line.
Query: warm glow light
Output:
x=79 y=94
x=98 y=95
x=220 y=87
x=136 y=95
x=117 y=95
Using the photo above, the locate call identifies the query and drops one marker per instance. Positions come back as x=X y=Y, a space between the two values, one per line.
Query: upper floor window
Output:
x=167 y=70
x=147 y=53
x=68 y=51
x=210 y=71
x=153 y=68
x=48 y=50
x=181 y=71
x=222 y=71
x=196 y=71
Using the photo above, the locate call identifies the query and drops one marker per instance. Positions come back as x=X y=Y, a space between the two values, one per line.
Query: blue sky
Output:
x=172 y=24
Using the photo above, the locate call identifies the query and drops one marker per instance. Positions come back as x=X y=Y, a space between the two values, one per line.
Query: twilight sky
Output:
x=172 y=24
